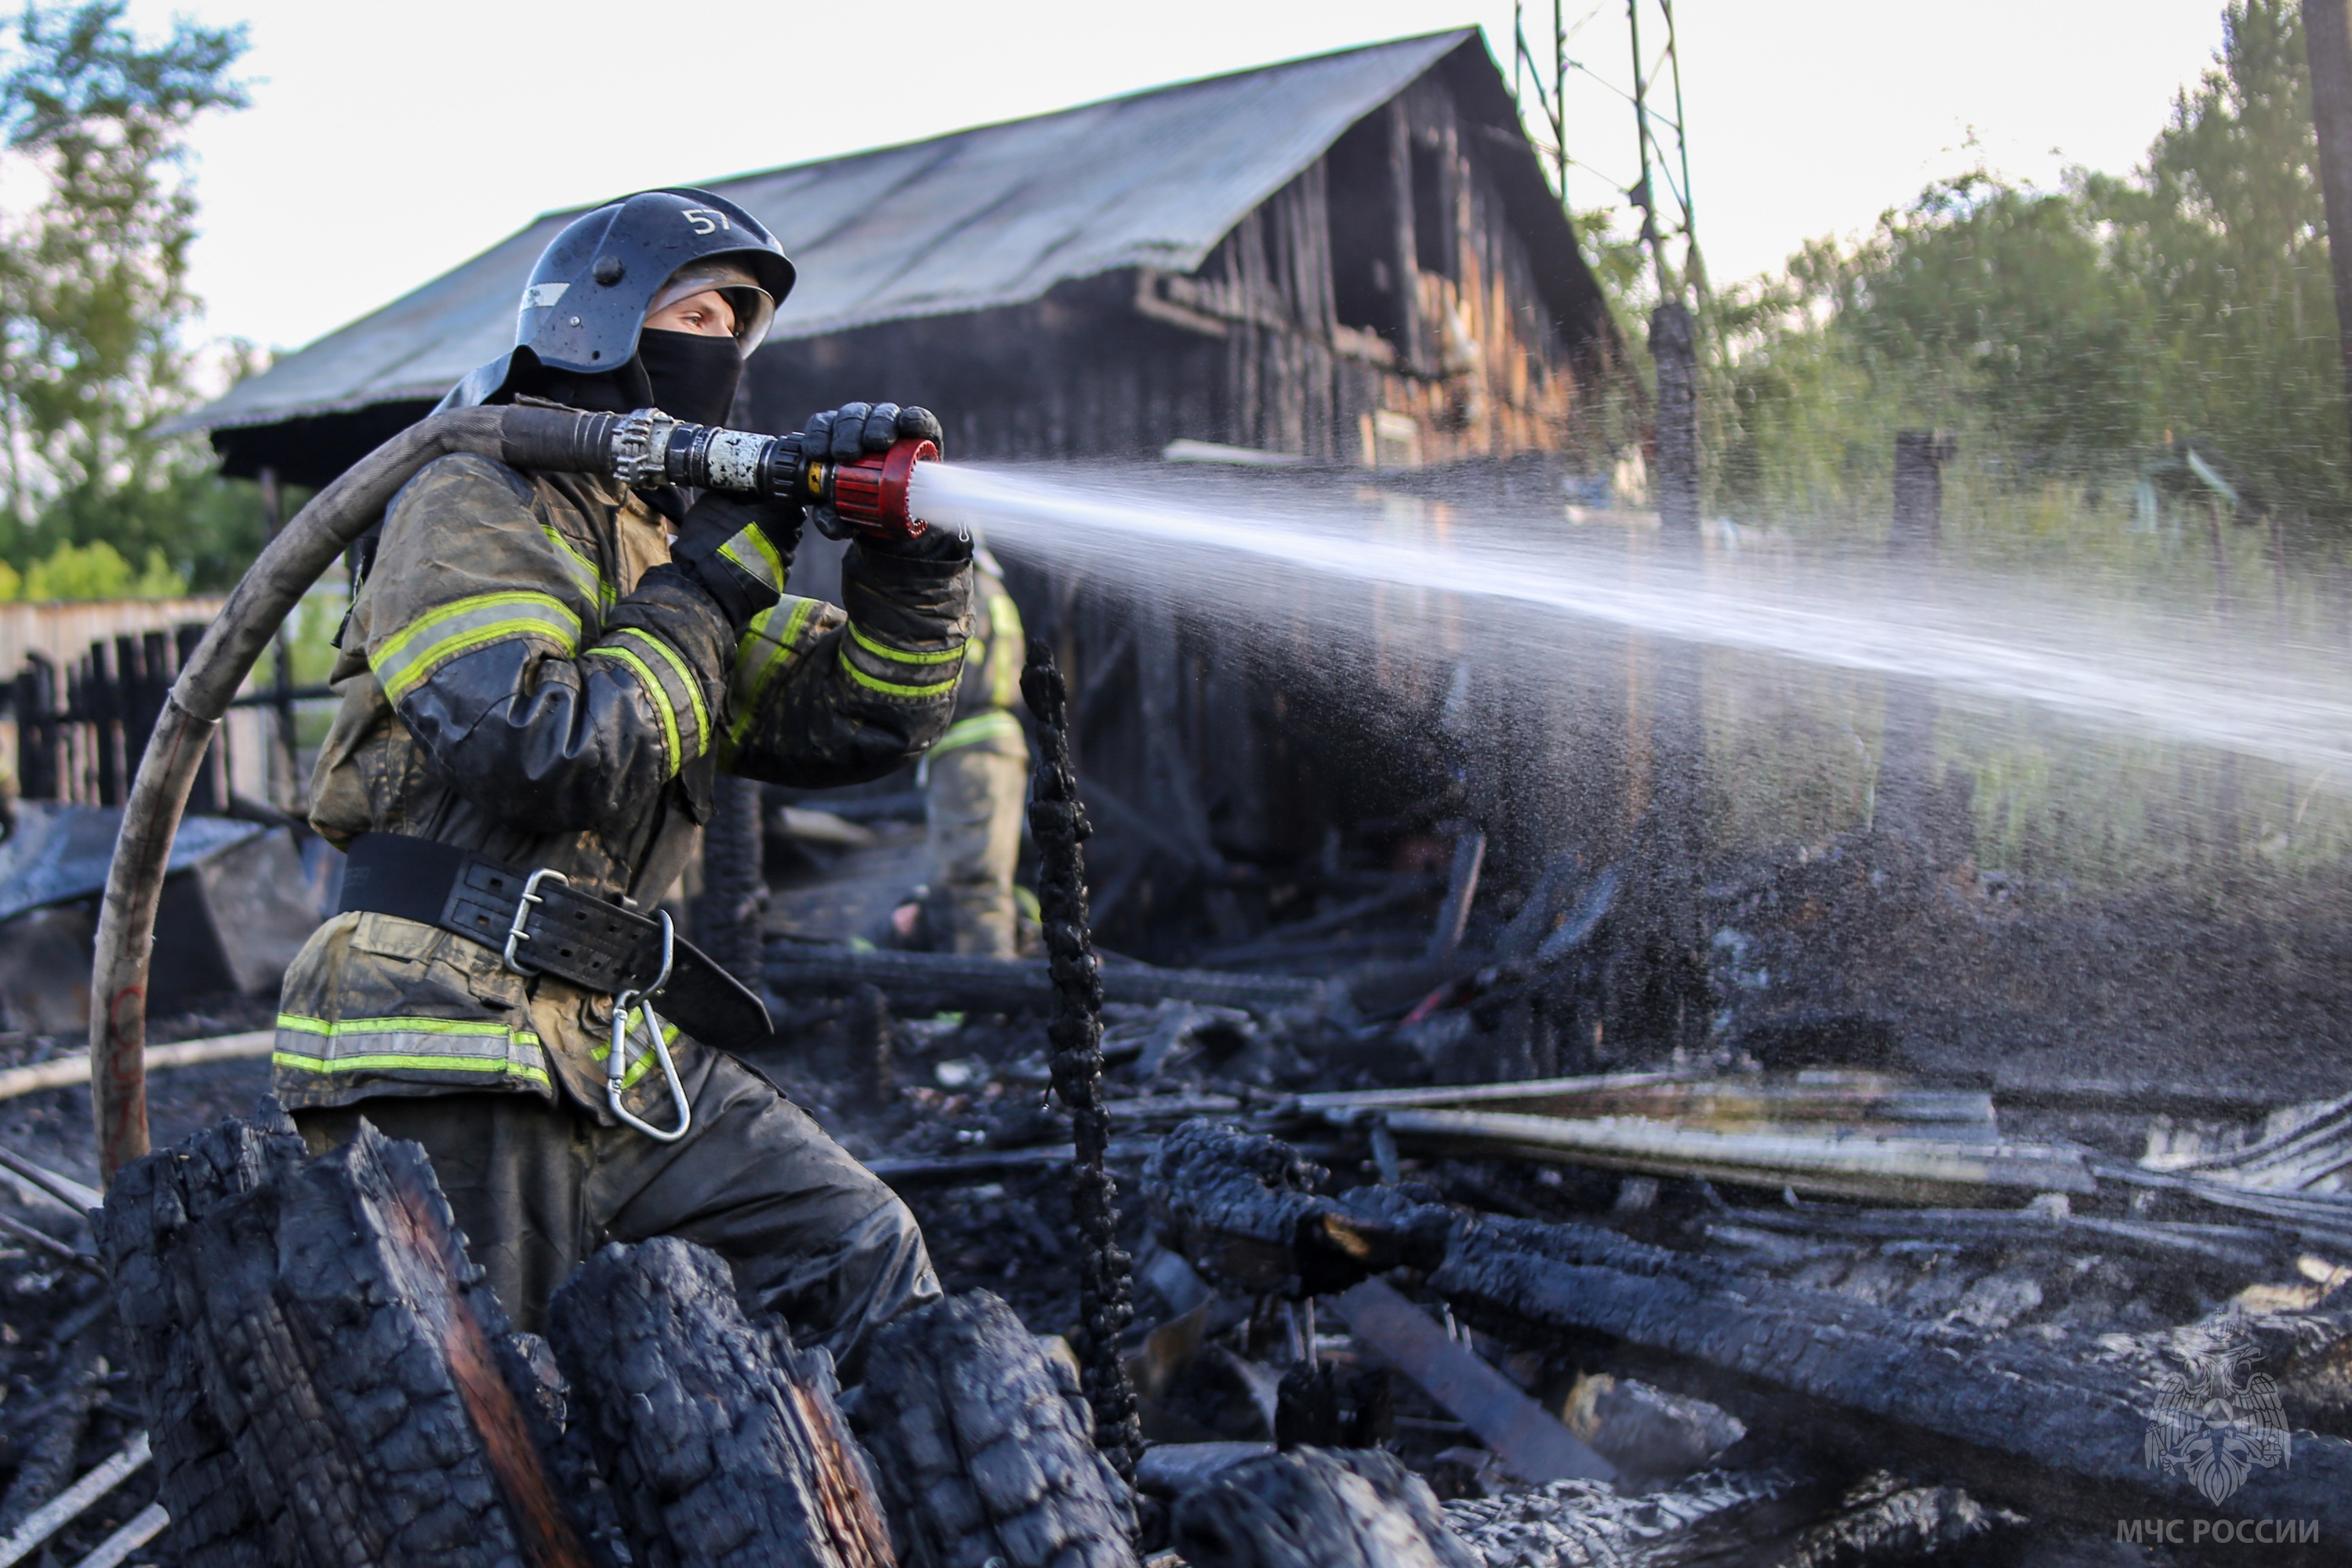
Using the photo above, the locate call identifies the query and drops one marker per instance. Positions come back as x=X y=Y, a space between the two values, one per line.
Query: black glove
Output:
x=740 y=549
x=847 y=433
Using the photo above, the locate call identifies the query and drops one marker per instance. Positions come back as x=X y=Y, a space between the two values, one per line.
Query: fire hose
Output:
x=643 y=449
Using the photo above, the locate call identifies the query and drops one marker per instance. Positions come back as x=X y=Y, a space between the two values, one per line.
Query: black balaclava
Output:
x=621 y=391
x=687 y=376
x=692 y=374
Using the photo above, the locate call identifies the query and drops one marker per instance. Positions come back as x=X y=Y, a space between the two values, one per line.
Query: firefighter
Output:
x=975 y=779
x=539 y=676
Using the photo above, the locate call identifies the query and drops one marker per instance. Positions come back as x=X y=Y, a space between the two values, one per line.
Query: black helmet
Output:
x=596 y=281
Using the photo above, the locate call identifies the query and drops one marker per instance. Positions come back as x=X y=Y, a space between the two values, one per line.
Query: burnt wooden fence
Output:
x=81 y=730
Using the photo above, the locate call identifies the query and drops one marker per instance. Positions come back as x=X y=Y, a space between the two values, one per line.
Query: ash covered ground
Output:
x=2122 y=1026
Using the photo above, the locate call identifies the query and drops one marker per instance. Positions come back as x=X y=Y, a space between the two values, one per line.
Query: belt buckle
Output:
x=515 y=932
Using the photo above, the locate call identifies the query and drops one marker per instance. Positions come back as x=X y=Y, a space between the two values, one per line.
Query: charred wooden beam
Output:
x=1243 y=1207
x=993 y=1162
x=2012 y=1410
x=73 y=1070
x=1901 y=1170
x=1727 y=1104
x=1004 y=985
x=2012 y=1416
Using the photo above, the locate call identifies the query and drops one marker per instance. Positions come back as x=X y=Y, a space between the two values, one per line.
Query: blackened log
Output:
x=980 y=1456
x=1242 y=1208
x=723 y=1445
x=1315 y=1507
x=1006 y=984
x=2018 y=1414
x=990 y=1162
x=319 y=1361
x=151 y=1210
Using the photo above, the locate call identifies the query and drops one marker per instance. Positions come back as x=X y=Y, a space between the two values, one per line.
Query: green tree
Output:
x=2071 y=337
x=1982 y=308
x=94 y=304
x=2227 y=227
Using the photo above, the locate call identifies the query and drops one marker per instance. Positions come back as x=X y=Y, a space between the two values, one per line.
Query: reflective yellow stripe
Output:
x=394 y=1062
x=306 y=1025
x=646 y=1061
x=769 y=567
x=891 y=688
x=784 y=646
x=686 y=677
x=409 y=1044
x=883 y=650
x=584 y=571
x=406 y=660
x=652 y=683
x=980 y=727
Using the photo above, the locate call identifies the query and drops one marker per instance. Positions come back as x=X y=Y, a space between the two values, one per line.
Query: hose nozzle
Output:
x=648 y=447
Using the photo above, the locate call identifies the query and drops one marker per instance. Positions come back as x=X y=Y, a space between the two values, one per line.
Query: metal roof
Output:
x=991 y=217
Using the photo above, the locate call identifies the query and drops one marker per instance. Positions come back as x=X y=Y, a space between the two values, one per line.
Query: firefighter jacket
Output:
x=991 y=674
x=524 y=675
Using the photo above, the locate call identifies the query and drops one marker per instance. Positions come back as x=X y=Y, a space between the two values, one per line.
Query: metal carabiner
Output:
x=616 y=1058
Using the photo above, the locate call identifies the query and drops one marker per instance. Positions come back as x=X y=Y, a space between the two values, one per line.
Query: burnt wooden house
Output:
x=1352 y=260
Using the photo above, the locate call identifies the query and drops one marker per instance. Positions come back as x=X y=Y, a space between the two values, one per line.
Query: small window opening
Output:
x=1433 y=212
x=1361 y=194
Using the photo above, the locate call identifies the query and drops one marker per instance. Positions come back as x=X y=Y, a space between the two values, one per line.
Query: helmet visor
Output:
x=754 y=310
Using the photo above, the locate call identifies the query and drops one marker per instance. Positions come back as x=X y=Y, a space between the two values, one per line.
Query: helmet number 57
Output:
x=704 y=220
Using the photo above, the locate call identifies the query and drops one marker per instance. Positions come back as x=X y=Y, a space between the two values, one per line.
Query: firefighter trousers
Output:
x=974 y=801
x=537 y=1187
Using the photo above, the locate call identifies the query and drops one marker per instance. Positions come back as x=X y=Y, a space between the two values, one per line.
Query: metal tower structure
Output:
x=1661 y=150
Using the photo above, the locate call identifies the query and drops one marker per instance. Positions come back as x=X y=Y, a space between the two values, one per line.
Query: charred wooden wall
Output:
x=1387 y=309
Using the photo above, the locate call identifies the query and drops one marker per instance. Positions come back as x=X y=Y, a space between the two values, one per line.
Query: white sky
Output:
x=386 y=143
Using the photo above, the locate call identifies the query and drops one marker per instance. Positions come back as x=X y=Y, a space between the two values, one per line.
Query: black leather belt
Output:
x=541 y=925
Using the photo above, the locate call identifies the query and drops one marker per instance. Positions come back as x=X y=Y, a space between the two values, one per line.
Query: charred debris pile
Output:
x=1536 y=1231
x=1418 y=1173
x=1389 y=1326
x=1794 y=1297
